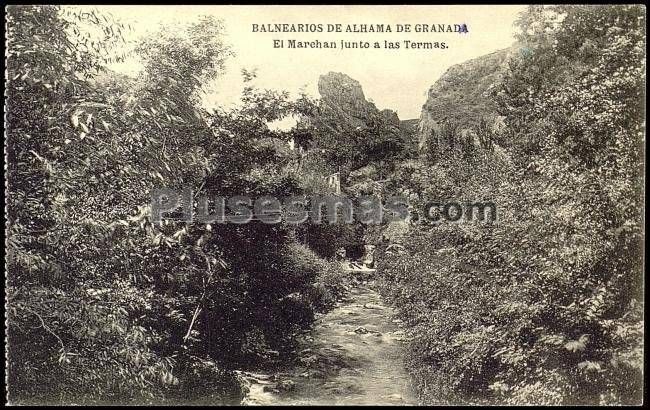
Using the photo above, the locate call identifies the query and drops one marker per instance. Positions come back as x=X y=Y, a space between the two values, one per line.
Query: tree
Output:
x=544 y=306
x=104 y=305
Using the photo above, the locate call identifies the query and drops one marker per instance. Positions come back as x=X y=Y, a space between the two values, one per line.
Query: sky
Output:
x=395 y=79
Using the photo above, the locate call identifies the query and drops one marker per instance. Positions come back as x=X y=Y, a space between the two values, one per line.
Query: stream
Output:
x=353 y=356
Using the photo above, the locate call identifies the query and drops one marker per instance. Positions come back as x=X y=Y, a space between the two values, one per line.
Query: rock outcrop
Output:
x=353 y=127
x=461 y=93
x=343 y=101
x=344 y=105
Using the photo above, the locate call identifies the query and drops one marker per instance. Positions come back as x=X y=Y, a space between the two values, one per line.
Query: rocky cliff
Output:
x=460 y=95
x=344 y=104
x=342 y=97
x=351 y=130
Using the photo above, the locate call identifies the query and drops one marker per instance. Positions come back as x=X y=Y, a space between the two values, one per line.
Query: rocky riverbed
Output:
x=353 y=356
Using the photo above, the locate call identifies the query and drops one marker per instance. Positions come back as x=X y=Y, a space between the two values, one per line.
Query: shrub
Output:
x=103 y=305
x=545 y=305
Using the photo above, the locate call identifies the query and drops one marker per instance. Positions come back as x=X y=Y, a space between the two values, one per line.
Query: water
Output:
x=353 y=356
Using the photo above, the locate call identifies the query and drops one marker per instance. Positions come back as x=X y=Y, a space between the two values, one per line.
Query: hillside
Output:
x=460 y=94
x=350 y=130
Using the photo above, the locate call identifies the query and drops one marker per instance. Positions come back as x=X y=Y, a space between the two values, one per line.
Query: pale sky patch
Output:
x=395 y=79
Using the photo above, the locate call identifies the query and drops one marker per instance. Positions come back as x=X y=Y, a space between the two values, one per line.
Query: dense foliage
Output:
x=544 y=306
x=103 y=305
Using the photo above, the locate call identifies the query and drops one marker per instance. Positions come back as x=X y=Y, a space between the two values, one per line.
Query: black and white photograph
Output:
x=342 y=205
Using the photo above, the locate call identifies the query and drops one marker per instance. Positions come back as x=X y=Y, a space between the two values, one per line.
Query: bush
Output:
x=103 y=305
x=545 y=305
x=517 y=313
x=327 y=278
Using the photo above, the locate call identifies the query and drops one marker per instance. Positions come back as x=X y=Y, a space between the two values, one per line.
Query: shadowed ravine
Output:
x=352 y=356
